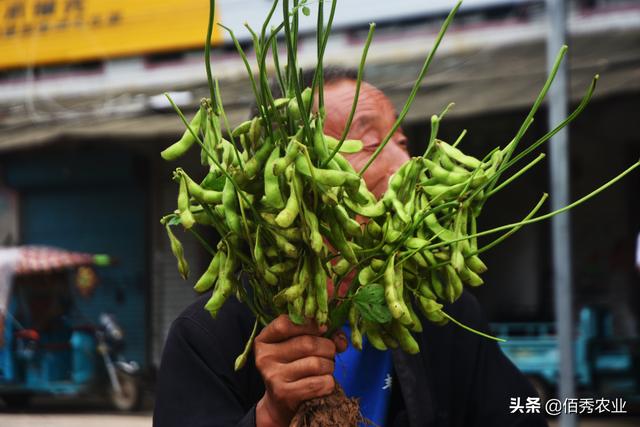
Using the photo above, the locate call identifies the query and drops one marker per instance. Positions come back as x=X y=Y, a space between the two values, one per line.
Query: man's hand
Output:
x=296 y=364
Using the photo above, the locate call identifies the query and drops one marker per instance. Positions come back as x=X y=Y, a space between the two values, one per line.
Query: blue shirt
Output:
x=366 y=375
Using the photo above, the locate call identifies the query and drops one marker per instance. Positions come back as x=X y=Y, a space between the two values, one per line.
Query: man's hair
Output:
x=331 y=74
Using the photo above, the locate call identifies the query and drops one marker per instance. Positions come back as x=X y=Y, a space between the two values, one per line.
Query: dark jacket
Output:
x=458 y=379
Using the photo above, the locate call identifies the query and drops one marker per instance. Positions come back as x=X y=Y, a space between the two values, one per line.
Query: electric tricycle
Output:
x=47 y=346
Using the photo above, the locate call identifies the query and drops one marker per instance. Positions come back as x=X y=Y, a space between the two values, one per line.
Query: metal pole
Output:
x=560 y=225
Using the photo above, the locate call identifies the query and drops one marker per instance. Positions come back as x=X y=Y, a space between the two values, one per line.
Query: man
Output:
x=458 y=379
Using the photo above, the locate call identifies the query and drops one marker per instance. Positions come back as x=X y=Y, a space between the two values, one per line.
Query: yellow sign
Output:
x=37 y=32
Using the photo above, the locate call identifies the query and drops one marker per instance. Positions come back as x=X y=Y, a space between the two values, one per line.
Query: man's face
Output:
x=374 y=118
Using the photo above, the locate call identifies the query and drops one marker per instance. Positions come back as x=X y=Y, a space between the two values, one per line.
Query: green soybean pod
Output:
x=443 y=234
x=338 y=239
x=315 y=238
x=261 y=262
x=282 y=267
x=416 y=324
x=377 y=264
x=473 y=229
x=356 y=335
x=454 y=290
x=424 y=289
x=349 y=225
x=255 y=130
x=289 y=250
x=373 y=335
x=348 y=146
x=404 y=337
x=405 y=318
x=432 y=310
x=387 y=337
x=319 y=142
x=437 y=286
x=294 y=110
x=203 y=196
x=445 y=176
x=310 y=307
x=178 y=252
x=254 y=164
x=272 y=194
x=230 y=204
x=475 y=264
x=390 y=292
x=328 y=177
x=186 y=217
x=366 y=275
x=459 y=156
x=343 y=163
x=208 y=279
x=295 y=310
x=341 y=267
x=293 y=151
x=177 y=149
x=209 y=141
x=469 y=277
x=419 y=259
x=226 y=285
x=320 y=286
x=242 y=129
x=372 y=210
x=291 y=210
x=295 y=291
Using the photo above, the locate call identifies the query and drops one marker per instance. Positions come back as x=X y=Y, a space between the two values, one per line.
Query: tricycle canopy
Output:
x=28 y=259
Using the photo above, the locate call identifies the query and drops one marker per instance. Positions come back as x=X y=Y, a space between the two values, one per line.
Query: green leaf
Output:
x=175 y=220
x=339 y=314
x=372 y=293
x=306 y=11
x=213 y=182
x=381 y=313
x=376 y=313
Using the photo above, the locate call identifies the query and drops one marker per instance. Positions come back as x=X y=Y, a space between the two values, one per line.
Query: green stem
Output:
x=527 y=121
x=292 y=67
x=207 y=52
x=583 y=104
x=516 y=175
x=242 y=358
x=226 y=124
x=263 y=32
x=470 y=329
x=276 y=65
x=459 y=140
x=515 y=229
x=325 y=38
x=352 y=113
x=546 y=216
x=319 y=73
x=204 y=243
x=416 y=87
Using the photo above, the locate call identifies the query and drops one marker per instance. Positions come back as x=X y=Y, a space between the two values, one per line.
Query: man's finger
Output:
x=340 y=340
x=307 y=367
x=310 y=387
x=301 y=347
x=282 y=329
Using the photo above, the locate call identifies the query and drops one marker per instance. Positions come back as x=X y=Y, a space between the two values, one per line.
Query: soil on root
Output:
x=334 y=410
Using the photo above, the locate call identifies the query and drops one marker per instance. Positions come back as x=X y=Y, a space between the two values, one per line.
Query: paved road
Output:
x=144 y=420
x=74 y=420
